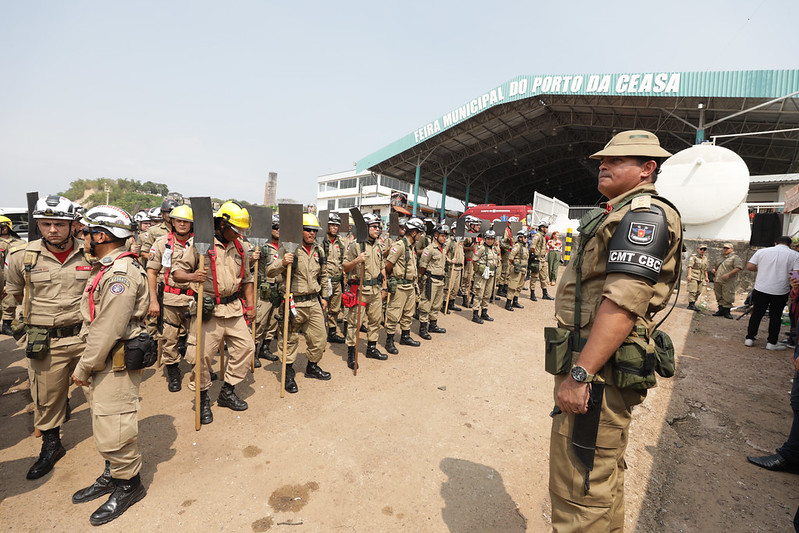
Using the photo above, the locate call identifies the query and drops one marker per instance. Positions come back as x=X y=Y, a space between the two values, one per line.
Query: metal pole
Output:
x=700 y=131
x=466 y=200
x=416 y=188
x=444 y=199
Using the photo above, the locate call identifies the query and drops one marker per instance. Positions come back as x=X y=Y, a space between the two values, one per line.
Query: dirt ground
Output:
x=451 y=436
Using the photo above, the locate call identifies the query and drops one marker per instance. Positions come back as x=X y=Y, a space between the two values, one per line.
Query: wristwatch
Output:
x=581 y=375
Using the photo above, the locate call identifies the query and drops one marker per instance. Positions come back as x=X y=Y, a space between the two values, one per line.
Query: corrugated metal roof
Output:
x=775 y=178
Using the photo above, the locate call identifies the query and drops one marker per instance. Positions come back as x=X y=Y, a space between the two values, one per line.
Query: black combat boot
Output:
x=508 y=305
x=433 y=328
x=484 y=316
x=691 y=306
x=52 y=451
x=313 y=370
x=102 y=485
x=266 y=353
x=182 y=346
x=465 y=301
x=126 y=493
x=6 y=330
x=407 y=340
x=390 y=348
x=476 y=317
x=256 y=360
x=727 y=313
x=532 y=295
x=291 y=385
x=422 y=332
x=206 y=416
x=344 y=327
x=453 y=306
x=333 y=338
x=516 y=303
x=227 y=398
x=351 y=357
x=720 y=312
x=373 y=353
x=546 y=295
x=173 y=377
x=363 y=328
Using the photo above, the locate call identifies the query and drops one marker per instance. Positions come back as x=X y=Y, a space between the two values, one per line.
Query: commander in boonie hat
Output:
x=630 y=158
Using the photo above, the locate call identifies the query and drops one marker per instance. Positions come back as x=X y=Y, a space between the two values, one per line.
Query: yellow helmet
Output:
x=236 y=215
x=182 y=212
x=7 y=222
x=310 y=221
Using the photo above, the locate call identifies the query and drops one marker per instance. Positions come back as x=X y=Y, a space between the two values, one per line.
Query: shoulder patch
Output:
x=117 y=288
x=642 y=233
x=119 y=279
x=393 y=249
x=641 y=202
x=425 y=253
x=106 y=260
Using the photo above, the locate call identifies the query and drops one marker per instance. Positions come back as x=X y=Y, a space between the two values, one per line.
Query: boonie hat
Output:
x=728 y=245
x=633 y=143
x=703 y=245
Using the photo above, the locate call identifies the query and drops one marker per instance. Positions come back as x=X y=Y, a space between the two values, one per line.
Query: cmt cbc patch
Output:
x=641 y=233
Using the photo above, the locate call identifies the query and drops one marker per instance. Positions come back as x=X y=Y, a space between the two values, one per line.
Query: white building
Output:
x=371 y=193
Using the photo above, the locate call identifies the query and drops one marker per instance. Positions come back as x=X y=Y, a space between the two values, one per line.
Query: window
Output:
x=397 y=185
x=332 y=185
x=369 y=180
x=321 y=187
x=345 y=203
x=331 y=205
x=350 y=183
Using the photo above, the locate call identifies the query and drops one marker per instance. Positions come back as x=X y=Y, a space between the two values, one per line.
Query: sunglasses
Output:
x=310 y=230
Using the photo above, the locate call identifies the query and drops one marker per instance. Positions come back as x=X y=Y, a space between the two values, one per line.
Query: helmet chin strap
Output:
x=62 y=246
x=220 y=232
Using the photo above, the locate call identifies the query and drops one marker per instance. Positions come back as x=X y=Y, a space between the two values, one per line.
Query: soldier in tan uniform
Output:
x=455 y=261
x=696 y=275
x=266 y=323
x=228 y=289
x=517 y=267
x=629 y=255
x=54 y=269
x=470 y=245
x=310 y=295
x=538 y=249
x=9 y=241
x=166 y=251
x=401 y=272
x=432 y=272
x=505 y=244
x=486 y=261
x=334 y=258
x=725 y=282
x=160 y=229
x=113 y=307
x=373 y=289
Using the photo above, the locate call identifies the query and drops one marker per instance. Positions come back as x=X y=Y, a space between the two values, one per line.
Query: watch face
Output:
x=579 y=374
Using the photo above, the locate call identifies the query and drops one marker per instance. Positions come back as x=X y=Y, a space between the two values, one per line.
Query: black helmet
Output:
x=168 y=205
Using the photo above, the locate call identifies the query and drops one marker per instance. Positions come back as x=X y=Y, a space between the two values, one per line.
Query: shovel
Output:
x=203 y=240
x=361 y=235
x=260 y=234
x=290 y=239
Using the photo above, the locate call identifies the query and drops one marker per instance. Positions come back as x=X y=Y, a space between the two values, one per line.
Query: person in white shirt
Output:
x=774 y=267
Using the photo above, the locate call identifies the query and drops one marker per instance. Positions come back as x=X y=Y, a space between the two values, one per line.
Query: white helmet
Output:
x=155 y=213
x=114 y=220
x=141 y=216
x=54 y=207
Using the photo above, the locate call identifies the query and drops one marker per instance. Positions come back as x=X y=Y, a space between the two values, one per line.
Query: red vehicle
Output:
x=493 y=212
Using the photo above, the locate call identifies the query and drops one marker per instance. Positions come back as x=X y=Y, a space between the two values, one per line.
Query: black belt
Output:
x=336 y=279
x=370 y=282
x=228 y=299
x=298 y=298
x=438 y=277
x=403 y=281
x=65 y=331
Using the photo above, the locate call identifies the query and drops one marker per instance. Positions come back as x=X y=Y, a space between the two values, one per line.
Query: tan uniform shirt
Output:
x=307 y=273
x=518 y=255
x=485 y=257
x=121 y=301
x=268 y=256
x=151 y=235
x=56 y=289
x=396 y=255
x=698 y=266
x=228 y=274
x=726 y=264
x=334 y=252
x=160 y=260
x=635 y=294
x=539 y=246
x=373 y=266
x=454 y=252
x=433 y=259
x=468 y=248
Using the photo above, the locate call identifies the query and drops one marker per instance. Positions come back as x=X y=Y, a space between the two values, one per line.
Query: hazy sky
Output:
x=210 y=96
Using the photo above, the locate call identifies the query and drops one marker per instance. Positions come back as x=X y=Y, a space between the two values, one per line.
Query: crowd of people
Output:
x=101 y=292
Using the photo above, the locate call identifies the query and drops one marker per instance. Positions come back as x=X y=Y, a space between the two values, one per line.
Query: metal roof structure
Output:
x=536 y=133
